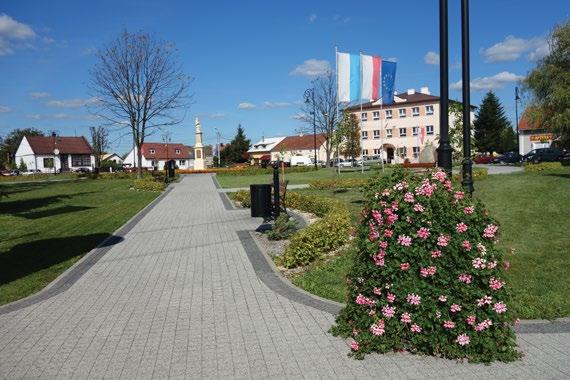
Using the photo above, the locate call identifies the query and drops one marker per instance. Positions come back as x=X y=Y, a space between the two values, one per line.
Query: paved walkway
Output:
x=179 y=297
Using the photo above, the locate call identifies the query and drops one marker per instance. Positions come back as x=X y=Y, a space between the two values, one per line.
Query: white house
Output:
x=300 y=145
x=155 y=155
x=261 y=150
x=114 y=157
x=50 y=154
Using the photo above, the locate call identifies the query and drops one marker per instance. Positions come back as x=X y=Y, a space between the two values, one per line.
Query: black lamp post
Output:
x=444 y=149
x=310 y=98
x=517 y=98
x=467 y=181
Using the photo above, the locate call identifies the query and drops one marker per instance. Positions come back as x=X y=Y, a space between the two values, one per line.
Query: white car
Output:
x=343 y=164
x=300 y=161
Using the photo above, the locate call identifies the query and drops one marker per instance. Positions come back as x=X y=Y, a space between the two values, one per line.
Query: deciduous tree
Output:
x=99 y=142
x=9 y=145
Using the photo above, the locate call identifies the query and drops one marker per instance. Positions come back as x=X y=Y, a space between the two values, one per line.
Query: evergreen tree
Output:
x=490 y=125
x=22 y=167
x=236 y=150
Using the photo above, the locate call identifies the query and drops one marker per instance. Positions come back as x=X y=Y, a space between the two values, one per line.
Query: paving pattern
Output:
x=179 y=297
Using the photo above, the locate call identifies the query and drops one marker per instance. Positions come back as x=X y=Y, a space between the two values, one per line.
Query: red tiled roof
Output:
x=526 y=125
x=65 y=145
x=161 y=152
x=299 y=142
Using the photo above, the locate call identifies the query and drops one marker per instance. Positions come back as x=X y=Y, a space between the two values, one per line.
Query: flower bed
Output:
x=543 y=166
x=427 y=277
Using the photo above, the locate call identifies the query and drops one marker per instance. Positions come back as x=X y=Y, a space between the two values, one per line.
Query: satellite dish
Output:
x=56 y=151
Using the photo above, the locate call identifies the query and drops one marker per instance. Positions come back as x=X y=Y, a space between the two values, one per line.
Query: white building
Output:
x=300 y=145
x=114 y=157
x=532 y=136
x=51 y=154
x=400 y=130
x=261 y=151
x=155 y=155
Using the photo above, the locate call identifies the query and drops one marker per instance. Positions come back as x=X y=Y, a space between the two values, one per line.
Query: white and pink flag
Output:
x=371 y=75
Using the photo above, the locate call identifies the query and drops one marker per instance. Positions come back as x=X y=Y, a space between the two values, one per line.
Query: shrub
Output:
x=283 y=228
x=242 y=197
x=479 y=173
x=543 y=166
x=148 y=184
x=337 y=183
x=427 y=276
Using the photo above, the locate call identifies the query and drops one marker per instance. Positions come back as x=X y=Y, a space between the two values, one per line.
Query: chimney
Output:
x=425 y=90
x=411 y=91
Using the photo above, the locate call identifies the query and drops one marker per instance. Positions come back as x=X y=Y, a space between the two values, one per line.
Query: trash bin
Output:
x=260 y=200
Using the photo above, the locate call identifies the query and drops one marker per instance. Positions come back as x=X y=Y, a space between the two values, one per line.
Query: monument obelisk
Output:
x=199 y=163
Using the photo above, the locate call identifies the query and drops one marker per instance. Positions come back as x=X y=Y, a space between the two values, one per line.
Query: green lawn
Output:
x=231 y=181
x=532 y=209
x=46 y=227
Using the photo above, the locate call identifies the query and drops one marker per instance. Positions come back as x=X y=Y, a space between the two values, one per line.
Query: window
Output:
x=154 y=163
x=429 y=110
x=365 y=152
x=377 y=151
x=415 y=131
x=151 y=151
x=177 y=151
x=182 y=162
x=376 y=133
x=48 y=162
x=364 y=116
x=416 y=151
x=80 y=160
x=364 y=135
x=388 y=114
x=376 y=115
x=402 y=132
x=415 y=111
x=401 y=152
x=388 y=132
x=402 y=112
x=429 y=130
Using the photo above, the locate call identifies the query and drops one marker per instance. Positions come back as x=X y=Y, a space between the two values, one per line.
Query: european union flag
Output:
x=388 y=81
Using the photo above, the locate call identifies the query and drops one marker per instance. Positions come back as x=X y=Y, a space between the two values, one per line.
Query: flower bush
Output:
x=427 y=277
x=148 y=184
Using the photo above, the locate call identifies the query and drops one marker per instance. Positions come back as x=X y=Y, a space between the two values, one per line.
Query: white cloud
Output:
x=71 y=103
x=4 y=109
x=276 y=104
x=89 y=51
x=13 y=34
x=246 y=106
x=511 y=48
x=58 y=116
x=489 y=83
x=312 y=18
x=297 y=116
x=39 y=95
x=312 y=68
x=431 y=58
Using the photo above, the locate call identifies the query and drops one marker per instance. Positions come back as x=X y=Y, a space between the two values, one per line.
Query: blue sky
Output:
x=252 y=60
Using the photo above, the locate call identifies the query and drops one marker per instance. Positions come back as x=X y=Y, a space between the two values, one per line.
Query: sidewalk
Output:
x=179 y=296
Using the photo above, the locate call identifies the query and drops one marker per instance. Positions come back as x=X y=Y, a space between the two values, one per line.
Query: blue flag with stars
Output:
x=388 y=81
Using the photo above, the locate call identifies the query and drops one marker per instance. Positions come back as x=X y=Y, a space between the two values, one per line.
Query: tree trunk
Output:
x=139 y=166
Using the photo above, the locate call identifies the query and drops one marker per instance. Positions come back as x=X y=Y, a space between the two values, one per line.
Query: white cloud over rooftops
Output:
x=496 y=81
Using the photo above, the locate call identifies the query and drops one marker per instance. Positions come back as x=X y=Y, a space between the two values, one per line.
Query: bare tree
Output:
x=139 y=85
x=99 y=142
x=326 y=110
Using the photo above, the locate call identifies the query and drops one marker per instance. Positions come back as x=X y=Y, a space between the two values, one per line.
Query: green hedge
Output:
x=148 y=184
x=543 y=166
x=255 y=170
x=337 y=183
x=478 y=173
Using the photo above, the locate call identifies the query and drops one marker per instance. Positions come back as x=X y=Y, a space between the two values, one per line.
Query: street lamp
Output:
x=444 y=149
x=467 y=181
x=310 y=98
x=517 y=99
x=55 y=152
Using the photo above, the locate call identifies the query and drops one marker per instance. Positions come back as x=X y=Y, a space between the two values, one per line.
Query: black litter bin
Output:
x=260 y=200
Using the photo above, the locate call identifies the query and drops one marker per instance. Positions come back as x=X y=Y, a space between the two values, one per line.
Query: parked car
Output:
x=483 y=159
x=507 y=158
x=300 y=161
x=322 y=164
x=31 y=172
x=565 y=158
x=82 y=170
x=543 y=155
x=343 y=163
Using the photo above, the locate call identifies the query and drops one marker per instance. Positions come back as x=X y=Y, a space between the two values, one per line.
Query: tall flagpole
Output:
x=360 y=122
x=382 y=132
x=337 y=107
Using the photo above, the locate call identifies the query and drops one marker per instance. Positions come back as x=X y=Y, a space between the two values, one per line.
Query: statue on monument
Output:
x=199 y=162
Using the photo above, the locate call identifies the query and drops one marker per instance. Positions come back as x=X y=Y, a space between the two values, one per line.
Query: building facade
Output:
x=54 y=154
x=155 y=156
x=532 y=136
x=261 y=150
x=402 y=130
x=300 y=145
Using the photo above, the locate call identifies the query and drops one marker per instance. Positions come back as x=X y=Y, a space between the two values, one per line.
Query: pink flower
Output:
x=448 y=185
x=413 y=299
x=415 y=328
x=388 y=311
x=388 y=233
x=469 y=210
x=461 y=227
x=362 y=300
x=470 y=320
x=484 y=325
x=373 y=235
x=492 y=264
x=466 y=245
x=426 y=189
x=418 y=207
x=377 y=291
x=405 y=266
x=463 y=340
x=479 y=263
x=459 y=195
x=439 y=175
x=386 y=193
x=428 y=272
x=401 y=185
x=423 y=233
x=500 y=307
x=392 y=218
x=404 y=240
x=377 y=216
x=379 y=258
x=442 y=298
x=409 y=197
x=395 y=205
x=506 y=265
x=391 y=297
x=466 y=278
x=448 y=325
x=377 y=328
x=405 y=318
x=481 y=249
x=383 y=244
x=490 y=231
x=354 y=346
x=435 y=254
x=443 y=240
x=455 y=308
x=486 y=300
x=496 y=284
x=371 y=312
